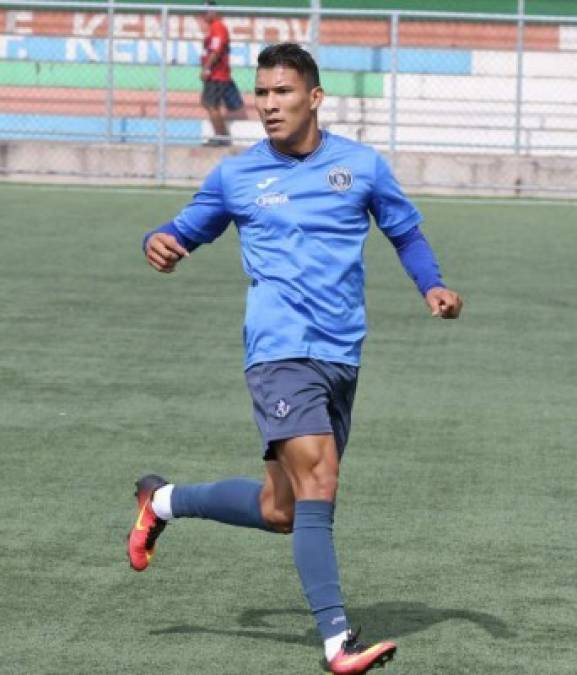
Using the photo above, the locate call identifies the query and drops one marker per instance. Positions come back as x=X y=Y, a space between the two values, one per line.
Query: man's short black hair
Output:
x=291 y=55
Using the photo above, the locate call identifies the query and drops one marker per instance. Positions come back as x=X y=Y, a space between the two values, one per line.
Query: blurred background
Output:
x=477 y=97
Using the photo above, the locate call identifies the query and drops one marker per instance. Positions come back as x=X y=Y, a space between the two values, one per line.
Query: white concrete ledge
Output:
x=419 y=172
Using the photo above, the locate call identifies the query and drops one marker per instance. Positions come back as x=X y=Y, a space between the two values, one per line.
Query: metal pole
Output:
x=519 y=93
x=110 y=73
x=161 y=167
x=315 y=28
x=393 y=97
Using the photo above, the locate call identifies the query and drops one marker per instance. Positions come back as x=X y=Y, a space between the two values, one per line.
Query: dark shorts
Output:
x=298 y=397
x=215 y=94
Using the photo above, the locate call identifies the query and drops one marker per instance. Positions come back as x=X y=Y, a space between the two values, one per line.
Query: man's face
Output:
x=286 y=105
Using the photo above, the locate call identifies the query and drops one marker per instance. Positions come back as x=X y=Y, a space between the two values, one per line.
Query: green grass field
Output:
x=456 y=519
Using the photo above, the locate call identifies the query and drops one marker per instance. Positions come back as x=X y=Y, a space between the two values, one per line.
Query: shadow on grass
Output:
x=381 y=620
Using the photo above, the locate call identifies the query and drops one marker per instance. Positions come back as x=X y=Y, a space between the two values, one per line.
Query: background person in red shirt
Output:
x=220 y=90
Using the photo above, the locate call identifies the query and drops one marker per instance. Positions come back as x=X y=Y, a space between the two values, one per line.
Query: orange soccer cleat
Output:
x=355 y=657
x=148 y=526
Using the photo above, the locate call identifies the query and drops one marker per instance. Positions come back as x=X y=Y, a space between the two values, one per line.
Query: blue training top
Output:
x=302 y=227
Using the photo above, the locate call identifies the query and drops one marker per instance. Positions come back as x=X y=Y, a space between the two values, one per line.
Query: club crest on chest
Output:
x=340 y=178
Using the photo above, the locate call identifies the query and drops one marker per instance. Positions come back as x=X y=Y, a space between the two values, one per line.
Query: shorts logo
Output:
x=340 y=178
x=271 y=199
x=281 y=409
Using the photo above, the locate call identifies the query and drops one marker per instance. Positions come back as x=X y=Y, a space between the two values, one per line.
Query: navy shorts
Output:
x=216 y=93
x=299 y=397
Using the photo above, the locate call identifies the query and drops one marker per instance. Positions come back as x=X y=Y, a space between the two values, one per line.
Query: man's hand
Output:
x=444 y=303
x=163 y=252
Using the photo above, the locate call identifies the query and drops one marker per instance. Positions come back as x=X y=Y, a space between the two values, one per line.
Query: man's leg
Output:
x=312 y=466
x=277 y=500
x=218 y=124
x=234 y=501
x=266 y=505
x=234 y=102
x=239 y=114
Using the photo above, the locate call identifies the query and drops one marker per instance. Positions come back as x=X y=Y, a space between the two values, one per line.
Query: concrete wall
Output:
x=472 y=174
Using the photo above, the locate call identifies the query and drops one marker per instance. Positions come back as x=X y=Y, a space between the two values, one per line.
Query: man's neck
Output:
x=302 y=148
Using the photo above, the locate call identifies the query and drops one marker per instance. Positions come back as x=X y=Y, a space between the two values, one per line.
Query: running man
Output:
x=301 y=200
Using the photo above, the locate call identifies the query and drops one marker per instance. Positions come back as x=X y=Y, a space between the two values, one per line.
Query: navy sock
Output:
x=235 y=501
x=316 y=561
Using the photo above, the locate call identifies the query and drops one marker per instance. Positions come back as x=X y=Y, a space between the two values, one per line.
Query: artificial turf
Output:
x=455 y=524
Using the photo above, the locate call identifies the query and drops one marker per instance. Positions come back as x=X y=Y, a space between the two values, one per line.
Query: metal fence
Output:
x=414 y=84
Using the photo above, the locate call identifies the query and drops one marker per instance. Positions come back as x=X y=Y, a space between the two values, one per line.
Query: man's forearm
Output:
x=212 y=59
x=418 y=259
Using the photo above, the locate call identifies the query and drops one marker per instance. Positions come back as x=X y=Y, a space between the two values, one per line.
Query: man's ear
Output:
x=317 y=96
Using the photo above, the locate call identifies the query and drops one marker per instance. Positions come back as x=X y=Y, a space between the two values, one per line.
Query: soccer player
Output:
x=301 y=200
x=219 y=89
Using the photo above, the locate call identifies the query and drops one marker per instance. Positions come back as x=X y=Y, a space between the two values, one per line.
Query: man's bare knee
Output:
x=280 y=520
x=319 y=484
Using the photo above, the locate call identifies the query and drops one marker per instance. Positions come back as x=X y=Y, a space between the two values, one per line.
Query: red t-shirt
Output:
x=217 y=40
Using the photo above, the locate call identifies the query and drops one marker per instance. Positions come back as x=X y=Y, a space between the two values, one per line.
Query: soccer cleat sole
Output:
x=382 y=661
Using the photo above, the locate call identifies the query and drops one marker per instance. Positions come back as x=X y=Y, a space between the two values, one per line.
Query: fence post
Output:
x=394 y=28
x=519 y=75
x=315 y=29
x=110 y=72
x=161 y=166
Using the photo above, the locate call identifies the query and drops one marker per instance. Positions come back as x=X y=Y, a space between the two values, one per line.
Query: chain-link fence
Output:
x=457 y=100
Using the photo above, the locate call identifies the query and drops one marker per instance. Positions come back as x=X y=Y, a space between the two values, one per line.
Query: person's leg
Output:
x=234 y=102
x=236 y=115
x=244 y=502
x=217 y=120
x=277 y=500
x=267 y=505
x=312 y=466
x=211 y=100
